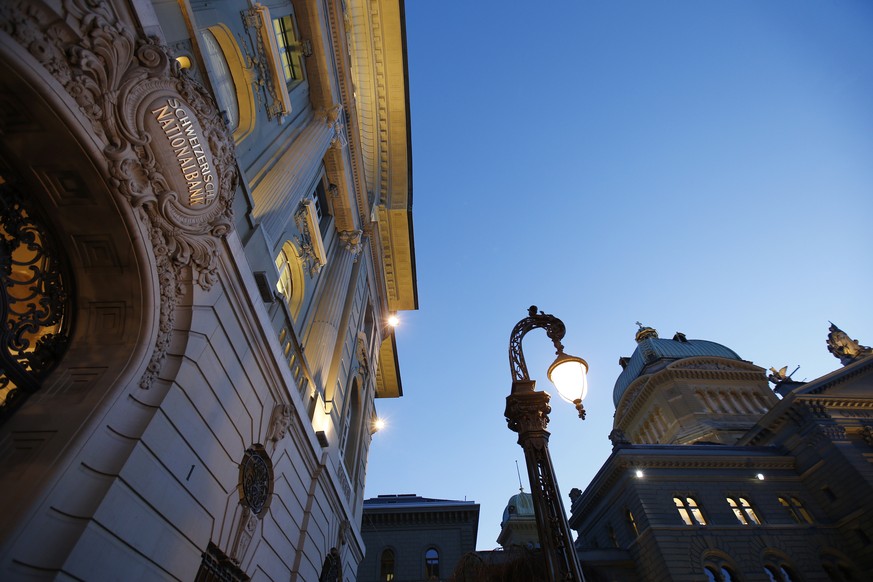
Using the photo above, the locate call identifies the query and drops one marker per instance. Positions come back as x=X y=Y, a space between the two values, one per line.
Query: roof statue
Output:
x=779 y=376
x=845 y=348
x=645 y=332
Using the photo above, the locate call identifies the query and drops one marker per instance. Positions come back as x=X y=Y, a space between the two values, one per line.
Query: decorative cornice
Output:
x=527 y=411
x=860 y=367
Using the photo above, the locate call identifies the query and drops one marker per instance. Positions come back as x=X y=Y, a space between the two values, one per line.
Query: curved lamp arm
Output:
x=554 y=329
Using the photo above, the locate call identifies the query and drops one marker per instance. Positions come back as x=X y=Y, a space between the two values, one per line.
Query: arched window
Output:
x=718 y=569
x=222 y=80
x=839 y=568
x=779 y=574
x=432 y=564
x=386 y=566
x=688 y=510
x=795 y=509
x=632 y=523
x=228 y=78
x=291 y=279
x=743 y=511
x=352 y=429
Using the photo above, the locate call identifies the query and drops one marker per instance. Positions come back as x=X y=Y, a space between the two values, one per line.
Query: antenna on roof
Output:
x=520 y=486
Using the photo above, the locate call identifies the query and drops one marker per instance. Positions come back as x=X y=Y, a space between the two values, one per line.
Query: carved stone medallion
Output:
x=256 y=480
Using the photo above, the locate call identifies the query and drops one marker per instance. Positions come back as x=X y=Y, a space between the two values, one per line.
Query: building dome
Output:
x=654 y=353
x=519 y=505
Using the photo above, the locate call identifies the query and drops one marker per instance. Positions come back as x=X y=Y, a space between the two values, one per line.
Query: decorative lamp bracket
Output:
x=554 y=329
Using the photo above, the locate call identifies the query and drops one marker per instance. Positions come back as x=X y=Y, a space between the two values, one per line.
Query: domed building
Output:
x=714 y=477
x=519 y=524
x=684 y=391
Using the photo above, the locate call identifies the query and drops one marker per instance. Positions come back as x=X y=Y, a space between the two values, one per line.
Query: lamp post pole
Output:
x=527 y=413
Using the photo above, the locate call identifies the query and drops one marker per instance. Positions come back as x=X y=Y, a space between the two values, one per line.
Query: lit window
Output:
x=386 y=570
x=289 y=48
x=432 y=564
x=795 y=509
x=632 y=523
x=322 y=210
x=688 y=509
x=743 y=511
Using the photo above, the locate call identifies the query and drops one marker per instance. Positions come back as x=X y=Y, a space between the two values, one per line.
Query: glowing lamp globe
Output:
x=569 y=374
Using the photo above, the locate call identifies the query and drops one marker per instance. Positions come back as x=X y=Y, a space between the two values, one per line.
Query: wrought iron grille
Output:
x=34 y=303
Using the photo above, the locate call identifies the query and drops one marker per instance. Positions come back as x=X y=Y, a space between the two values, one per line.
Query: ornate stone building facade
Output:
x=206 y=224
x=411 y=538
x=715 y=477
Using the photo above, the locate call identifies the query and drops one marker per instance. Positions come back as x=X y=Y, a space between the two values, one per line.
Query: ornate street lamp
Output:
x=527 y=413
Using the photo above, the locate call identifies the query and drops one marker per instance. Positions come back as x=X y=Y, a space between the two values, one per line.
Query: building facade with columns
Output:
x=206 y=224
x=715 y=476
x=412 y=538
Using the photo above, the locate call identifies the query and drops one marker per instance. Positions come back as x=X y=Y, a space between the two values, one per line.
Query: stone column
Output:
x=275 y=197
x=323 y=331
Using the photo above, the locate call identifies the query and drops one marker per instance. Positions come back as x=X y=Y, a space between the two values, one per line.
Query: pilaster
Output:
x=277 y=195
x=323 y=332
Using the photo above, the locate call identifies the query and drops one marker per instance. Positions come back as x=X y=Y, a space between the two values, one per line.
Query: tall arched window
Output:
x=352 y=429
x=718 y=568
x=432 y=564
x=795 y=509
x=386 y=565
x=291 y=279
x=689 y=510
x=632 y=523
x=779 y=573
x=743 y=511
x=222 y=80
x=719 y=574
x=227 y=75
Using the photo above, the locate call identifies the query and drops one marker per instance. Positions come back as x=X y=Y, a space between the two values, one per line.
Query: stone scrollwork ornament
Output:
x=351 y=241
x=166 y=149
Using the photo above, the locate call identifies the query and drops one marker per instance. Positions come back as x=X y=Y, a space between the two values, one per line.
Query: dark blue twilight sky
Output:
x=699 y=166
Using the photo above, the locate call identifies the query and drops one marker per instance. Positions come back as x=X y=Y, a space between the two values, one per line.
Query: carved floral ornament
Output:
x=166 y=150
x=256 y=480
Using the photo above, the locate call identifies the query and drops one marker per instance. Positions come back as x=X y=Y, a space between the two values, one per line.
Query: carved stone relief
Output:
x=256 y=480
x=166 y=151
x=280 y=422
